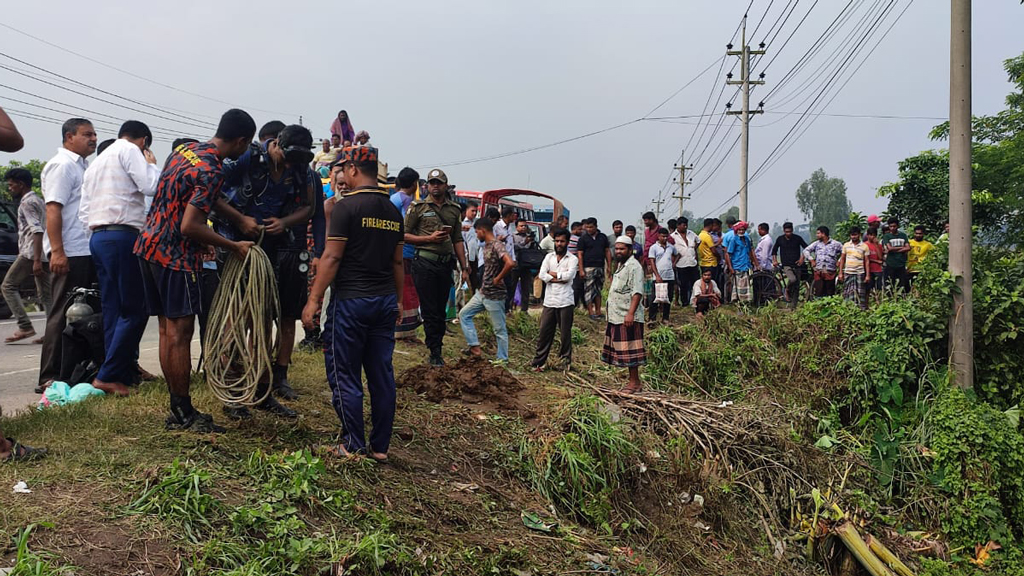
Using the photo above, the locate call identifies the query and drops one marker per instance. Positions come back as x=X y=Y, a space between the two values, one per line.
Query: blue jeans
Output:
x=496 y=309
x=359 y=335
x=124 y=307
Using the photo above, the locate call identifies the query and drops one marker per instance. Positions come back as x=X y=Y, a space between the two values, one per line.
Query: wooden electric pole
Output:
x=961 y=320
x=657 y=206
x=682 y=182
x=744 y=53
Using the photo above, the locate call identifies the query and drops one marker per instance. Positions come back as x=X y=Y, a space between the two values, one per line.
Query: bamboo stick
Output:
x=886 y=555
x=851 y=538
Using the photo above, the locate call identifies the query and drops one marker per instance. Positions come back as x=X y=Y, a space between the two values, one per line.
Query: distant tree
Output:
x=33 y=166
x=689 y=217
x=822 y=200
x=733 y=211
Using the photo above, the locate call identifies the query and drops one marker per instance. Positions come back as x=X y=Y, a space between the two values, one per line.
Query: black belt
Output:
x=116 y=228
x=434 y=256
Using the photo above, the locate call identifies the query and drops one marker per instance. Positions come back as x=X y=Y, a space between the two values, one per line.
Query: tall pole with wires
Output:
x=744 y=82
x=682 y=197
x=961 y=320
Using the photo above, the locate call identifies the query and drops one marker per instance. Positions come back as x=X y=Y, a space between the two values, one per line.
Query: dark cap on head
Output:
x=437 y=174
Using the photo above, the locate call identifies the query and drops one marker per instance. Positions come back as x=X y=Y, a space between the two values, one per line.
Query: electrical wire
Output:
x=154 y=128
x=136 y=76
x=847 y=81
x=186 y=119
x=105 y=101
x=58 y=122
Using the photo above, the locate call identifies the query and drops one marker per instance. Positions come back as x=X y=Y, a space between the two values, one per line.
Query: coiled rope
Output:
x=240 y=335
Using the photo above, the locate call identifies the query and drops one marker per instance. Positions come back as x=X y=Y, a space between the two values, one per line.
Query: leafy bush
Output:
x=179 y=499
x=979 y=459
x=580 y=469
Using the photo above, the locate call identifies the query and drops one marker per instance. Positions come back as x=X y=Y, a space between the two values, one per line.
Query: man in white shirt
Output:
x=763 y=252
x=66 y=242
x=113 y=207
x=661 y=261
x=557 y=272
x=687 y=270
x=472 y=246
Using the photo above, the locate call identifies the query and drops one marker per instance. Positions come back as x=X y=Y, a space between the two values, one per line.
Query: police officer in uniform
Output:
x=434 y=226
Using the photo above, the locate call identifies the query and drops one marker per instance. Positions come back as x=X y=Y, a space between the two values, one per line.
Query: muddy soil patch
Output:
x=470 y=382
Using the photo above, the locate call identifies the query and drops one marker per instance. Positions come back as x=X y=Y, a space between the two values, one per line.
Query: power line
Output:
x=58 y=122
x=136 y=76
x=55 y=85
x=684 y=86
x=860 y=28
x=187 y=119
x=772 y=157
x=848 y=79
x=93 y=112
x=669 y=119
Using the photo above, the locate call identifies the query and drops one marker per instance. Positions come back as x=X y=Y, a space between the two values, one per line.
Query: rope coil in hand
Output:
x=240 y=338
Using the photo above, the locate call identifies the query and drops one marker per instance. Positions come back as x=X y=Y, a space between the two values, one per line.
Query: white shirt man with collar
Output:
x=558 y=271
x=113 y=207
x=687 y=270
x=66 y=241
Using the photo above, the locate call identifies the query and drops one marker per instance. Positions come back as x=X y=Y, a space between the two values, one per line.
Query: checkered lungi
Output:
x=855 y=290
x=624 y=346
x=741 y=287
x=593 y=282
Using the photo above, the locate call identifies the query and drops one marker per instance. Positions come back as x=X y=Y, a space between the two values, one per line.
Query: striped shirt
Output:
x=115 y=187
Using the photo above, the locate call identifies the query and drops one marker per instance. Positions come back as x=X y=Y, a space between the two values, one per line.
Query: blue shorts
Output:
x=171 y=293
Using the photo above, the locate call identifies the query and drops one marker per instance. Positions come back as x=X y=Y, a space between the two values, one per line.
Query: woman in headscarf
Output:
x=342 y=126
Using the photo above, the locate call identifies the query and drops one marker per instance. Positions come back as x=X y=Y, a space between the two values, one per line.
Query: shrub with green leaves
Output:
x=581 y=469
x=979 y=460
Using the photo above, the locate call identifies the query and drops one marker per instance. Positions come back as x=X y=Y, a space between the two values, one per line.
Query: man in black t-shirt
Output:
x=362 y=263
x=595 y=257
x=788 y=252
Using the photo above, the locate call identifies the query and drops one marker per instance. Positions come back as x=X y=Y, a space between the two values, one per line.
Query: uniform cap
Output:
x=437 y=174
x=358 y=154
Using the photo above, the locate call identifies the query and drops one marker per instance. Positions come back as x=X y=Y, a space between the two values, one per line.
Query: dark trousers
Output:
x=685 y=277
x=209 y=280
x=577 y=290
x=81 y=274
x=550 y=318
x=359 y=335
x=124 y=311
x=524 y=276
x=510 y=289
x=433 y=283
x=664 y=307
x=475 y=277
x=896 y=278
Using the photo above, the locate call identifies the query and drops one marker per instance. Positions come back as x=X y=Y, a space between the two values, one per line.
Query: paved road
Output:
x=19 y=362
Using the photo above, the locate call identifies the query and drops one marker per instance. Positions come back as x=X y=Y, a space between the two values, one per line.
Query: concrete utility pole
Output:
x=744 y=53
x=961 y=320
x=682 y=182
x=657 y=206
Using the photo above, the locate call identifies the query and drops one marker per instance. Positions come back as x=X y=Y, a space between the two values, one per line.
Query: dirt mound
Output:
x=470 y=381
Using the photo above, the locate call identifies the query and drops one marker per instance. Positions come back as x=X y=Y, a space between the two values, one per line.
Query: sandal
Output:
x=378 y=460
x=19 y=336
x=339 y=451
x=23 y=453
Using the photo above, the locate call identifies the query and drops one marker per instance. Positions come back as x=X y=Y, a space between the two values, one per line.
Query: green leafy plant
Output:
x=178 y=497
x=581 y=469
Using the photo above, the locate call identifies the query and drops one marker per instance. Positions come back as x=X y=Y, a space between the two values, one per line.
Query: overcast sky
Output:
x=439 y=82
